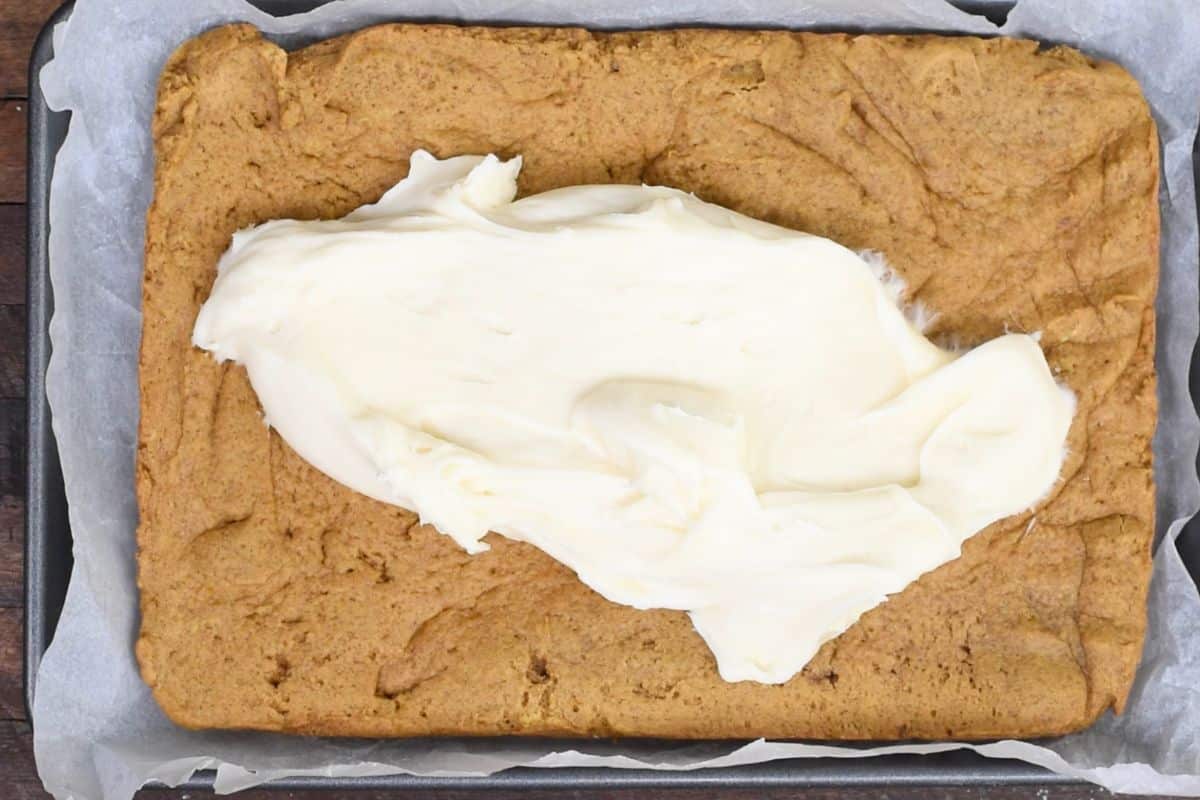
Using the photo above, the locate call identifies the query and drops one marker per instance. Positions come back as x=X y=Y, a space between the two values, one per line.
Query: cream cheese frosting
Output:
x=689 y=408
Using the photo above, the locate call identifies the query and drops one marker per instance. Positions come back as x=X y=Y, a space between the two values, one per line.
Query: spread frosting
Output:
x=689 y=408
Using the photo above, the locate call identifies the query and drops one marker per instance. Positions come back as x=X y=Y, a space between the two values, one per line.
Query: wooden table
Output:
x=20 y=21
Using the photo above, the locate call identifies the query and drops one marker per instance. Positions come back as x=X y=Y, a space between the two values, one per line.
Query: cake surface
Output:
x=1011 y=189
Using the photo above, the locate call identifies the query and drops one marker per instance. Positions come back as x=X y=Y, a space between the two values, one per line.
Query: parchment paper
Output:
x=98 y=733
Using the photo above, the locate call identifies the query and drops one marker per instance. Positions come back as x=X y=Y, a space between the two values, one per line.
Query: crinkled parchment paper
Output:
x=97 y=731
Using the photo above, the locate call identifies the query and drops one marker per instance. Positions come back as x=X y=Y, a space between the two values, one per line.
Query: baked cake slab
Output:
x=1012 y=188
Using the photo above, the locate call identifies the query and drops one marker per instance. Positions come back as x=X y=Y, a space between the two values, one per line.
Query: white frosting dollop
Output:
x=689 y=408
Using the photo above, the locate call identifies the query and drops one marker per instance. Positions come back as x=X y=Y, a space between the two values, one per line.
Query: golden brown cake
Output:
x=1012 y=188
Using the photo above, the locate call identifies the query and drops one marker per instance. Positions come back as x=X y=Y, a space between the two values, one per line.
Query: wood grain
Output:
x=12 y=687
x=12 y=445
x=12 y=254
x=20 y=780
x=12 y=359
x=20 y=21
x=12 y=568
x=13 y=123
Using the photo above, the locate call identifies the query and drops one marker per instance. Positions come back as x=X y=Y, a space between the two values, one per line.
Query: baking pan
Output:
x=48 y=549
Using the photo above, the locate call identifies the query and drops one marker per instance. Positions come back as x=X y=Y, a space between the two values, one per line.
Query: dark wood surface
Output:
x=20 y=21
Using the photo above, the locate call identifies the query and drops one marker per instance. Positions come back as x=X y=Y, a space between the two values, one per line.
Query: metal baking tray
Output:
x=48 y=558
